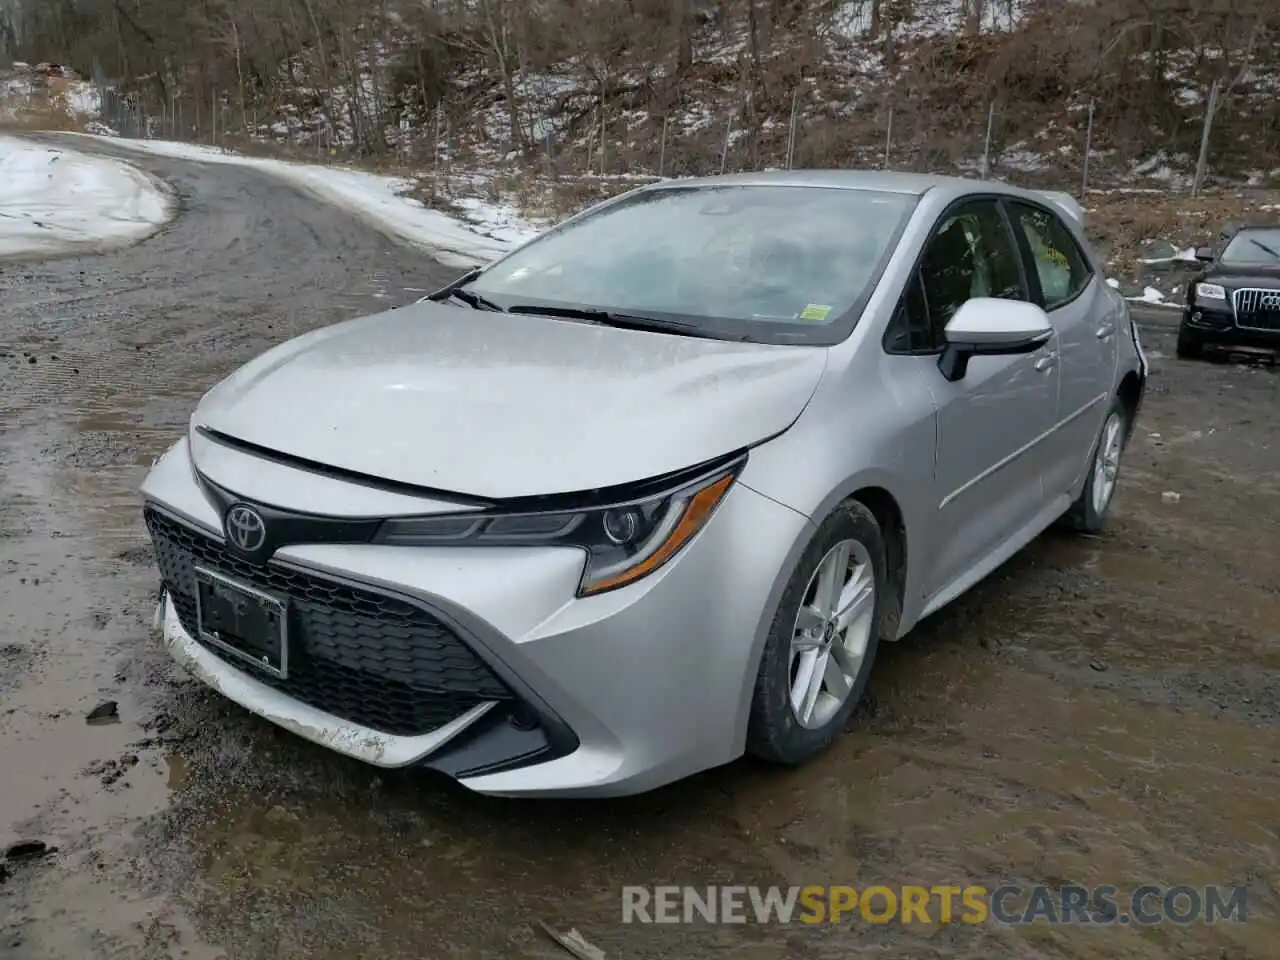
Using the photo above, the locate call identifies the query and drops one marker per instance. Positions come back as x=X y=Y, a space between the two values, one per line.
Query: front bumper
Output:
x=1217 y=327
x=600 y=696
x=344 y=736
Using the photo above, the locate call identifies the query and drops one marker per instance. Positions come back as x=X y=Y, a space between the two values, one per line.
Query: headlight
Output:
x=624 y=541
x=1210 y=291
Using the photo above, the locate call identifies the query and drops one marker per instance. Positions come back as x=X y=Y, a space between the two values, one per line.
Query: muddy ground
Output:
x=1101 y=710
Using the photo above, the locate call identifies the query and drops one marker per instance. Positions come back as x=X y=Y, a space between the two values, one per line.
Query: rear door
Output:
x=1063 y=282
x=987 y=481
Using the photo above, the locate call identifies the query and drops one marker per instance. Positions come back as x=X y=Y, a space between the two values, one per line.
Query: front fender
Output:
x=889 y=445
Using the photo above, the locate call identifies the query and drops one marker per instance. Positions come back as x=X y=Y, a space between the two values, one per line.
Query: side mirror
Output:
x=1204 y=254
x=988 y=327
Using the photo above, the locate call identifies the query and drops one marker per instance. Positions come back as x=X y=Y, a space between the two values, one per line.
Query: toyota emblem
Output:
x=246 y=528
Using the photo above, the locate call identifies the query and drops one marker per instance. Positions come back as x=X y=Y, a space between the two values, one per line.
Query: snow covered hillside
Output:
x=1030 y=90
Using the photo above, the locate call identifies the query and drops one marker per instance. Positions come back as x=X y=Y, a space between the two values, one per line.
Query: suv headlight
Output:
x=1210 y=291
x=624 y=541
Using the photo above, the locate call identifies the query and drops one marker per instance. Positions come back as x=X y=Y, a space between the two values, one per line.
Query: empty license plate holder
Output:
x=244 y=622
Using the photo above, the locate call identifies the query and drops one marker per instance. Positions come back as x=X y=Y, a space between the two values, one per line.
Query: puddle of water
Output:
x=157 y=928
x=178 y=773
x=59 y=603
x=1214 y=587
x=111 y=447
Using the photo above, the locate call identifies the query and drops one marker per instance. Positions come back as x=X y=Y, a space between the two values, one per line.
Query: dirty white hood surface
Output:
x=497 y=405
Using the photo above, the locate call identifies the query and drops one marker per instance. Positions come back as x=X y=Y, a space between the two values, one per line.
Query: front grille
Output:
x=1257 y=309
x=375 y=660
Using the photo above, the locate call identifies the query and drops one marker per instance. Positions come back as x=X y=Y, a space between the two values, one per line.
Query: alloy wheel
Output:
x=1106 y=463
x=831 y=634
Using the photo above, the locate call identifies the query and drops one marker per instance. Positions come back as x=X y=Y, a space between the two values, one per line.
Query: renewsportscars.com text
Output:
x=1009 y=904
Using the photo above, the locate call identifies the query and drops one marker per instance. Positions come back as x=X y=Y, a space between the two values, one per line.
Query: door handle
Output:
x=1047 y=361
x=1105 y=331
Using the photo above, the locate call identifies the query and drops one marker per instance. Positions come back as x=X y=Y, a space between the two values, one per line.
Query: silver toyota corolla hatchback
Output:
x=647 y=493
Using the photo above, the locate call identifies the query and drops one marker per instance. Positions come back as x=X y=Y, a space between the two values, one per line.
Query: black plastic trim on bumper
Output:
x=1200 y=317
x=494 y=744
x=526 y=733
x=1234 y=337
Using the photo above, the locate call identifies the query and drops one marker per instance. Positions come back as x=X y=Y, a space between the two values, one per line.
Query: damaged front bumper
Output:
x=342 y=736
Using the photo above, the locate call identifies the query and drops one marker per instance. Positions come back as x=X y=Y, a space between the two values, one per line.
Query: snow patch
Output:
x=484 y=233
x=1181 y=256
x=53 y=200
x=83 y=99
x=1149 y=295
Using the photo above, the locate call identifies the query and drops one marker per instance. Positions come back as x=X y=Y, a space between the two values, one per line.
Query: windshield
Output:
x=1254 y=246
x=736 y=261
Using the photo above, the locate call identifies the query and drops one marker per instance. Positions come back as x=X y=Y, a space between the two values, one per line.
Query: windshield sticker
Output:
x=815 y=313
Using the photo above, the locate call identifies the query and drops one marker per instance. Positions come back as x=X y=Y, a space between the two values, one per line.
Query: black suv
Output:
x=1234 y=301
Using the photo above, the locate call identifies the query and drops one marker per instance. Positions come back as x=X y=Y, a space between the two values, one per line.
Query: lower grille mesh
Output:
x=371 y=659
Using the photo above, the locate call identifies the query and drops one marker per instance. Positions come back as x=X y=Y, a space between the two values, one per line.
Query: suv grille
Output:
x=1257 y=309
x=371 y=659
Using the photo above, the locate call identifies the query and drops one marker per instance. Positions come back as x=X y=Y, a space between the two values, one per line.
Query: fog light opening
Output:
x=522 y=718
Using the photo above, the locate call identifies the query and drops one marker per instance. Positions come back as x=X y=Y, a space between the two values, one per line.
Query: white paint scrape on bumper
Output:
x=351 y=739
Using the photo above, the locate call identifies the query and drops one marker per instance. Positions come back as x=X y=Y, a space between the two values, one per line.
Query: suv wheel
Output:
x=1189 y=346
x=823 y=639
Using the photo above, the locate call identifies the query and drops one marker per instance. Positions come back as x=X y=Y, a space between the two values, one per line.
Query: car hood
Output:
x=1244 y=275
x=495 y=405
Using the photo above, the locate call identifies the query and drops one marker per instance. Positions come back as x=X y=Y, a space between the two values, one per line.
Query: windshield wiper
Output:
x=1262 y=246
x=611 y=318
x=475 y=301
x=455 y=291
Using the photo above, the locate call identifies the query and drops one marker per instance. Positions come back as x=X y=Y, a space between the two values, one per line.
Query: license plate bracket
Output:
x=243 y=621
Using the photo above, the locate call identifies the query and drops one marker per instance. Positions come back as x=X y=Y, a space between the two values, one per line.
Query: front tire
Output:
x=822 y=642
x=1089 y=513
x=1189 y=347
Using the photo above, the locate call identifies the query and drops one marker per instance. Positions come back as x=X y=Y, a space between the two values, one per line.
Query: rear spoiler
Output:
x=1066 y=203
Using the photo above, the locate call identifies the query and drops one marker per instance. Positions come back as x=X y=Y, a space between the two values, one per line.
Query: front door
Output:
x=988 y=468
x=1063 y=282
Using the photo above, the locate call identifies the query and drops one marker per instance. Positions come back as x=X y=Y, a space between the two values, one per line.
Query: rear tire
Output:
x=1189 y=347
x=793 y=720
x=1089 y=513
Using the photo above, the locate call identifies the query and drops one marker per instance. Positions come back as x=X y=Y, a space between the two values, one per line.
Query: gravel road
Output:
x=1101 y=710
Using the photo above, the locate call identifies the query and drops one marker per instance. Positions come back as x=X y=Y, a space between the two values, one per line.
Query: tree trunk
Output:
x=235 y=38
x=682 y=13
x=754 y=84
x=323 y=56
x=977 y=10
x=500 y=47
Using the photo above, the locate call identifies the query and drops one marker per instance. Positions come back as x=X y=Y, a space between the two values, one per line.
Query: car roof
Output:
x=887 y=181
